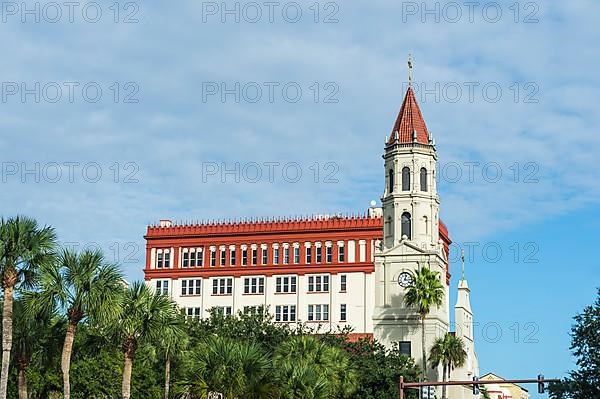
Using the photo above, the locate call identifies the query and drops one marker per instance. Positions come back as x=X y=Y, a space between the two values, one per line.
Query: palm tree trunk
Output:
x=127 y=366
x=167 y=377
x=444 y=380
x=7 y=316
x=423 y=350
x=22 y=383
x=65 y=363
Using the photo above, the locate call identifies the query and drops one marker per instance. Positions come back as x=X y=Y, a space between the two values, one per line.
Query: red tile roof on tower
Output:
x=409 y=120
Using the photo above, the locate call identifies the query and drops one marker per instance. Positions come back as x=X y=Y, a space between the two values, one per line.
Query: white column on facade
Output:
x=350 y=252
x=362 y=250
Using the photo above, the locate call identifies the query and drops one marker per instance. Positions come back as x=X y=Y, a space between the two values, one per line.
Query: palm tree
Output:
x=30 y=332
x=450 y=352
x=86 y=287
x=301 y=381
x=24 y=247
x=314 y=363
x=145 y=317
x=425 y=291
x=172 y=343
x=234 y=369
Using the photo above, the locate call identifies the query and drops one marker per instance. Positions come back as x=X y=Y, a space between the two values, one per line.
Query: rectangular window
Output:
x=318 y=283
x=264 y=256
x=224 y=310
x=191 y=287
x=343 y=312
x=186 y=259
x=405 y=348
x=285 y=285
x=328 y=254
x=319 y=254
x=318 y=312
x=285 y=313
x=192 y=258
x=167 y=259
x=232 y=257
x=251 y=309
x=162 y=287
x=341 y=254
x=193 y=312
x=244 y=257
x=223 y=256
x=200 y=258
x=308 y=255
x=159 y=260
x=254 y=256
x=343 y=282
x=213 y=257
x=276 y=256
x=223 y=286
x=296 y=255
x=254 y=285
x=286 y=255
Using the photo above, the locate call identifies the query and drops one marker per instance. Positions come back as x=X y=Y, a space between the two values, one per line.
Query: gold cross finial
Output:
x=463 y=263
x=410 y=67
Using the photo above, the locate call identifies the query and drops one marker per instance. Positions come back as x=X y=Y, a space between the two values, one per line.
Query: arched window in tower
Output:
x=423 y=178
x=405 y=178
x=391 y=181
x=406 y=225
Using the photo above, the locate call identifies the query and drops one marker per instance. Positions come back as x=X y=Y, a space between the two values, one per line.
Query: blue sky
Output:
x=159 y=127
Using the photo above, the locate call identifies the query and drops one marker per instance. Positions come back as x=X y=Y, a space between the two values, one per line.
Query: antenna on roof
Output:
x=410 y=70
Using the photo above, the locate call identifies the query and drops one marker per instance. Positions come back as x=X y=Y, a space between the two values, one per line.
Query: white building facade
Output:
x=330 y=272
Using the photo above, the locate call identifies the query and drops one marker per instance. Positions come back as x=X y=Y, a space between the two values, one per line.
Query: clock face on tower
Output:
x=405 y=280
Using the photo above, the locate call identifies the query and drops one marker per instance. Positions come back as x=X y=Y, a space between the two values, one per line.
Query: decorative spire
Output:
x=409 y=122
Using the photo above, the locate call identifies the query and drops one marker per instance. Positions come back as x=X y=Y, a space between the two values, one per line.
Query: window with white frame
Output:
x=319 y=251
x=192 y=257
x=224 y=310
x=163 y=259
x=191 y=287
x=193 y=312
x=252 y=309
x=318 y=283
x=341 y=253
x=308 y=255
x=343 y=282
x=285 y=313
x=232 y=256
x=223 y=256
x=276 y=255
x=264 y=256
x=213 y=257
x=318 y=312
x=328 y=253
x=244 y=256
x=296 y=254
x=286 y=255
x=254 y=285
x=254 y=256
x=162 y=287
x=285 y=284
x=343 y=313
x=222 y=286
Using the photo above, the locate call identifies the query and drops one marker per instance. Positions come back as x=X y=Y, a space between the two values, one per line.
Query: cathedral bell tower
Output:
x=411 y=235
